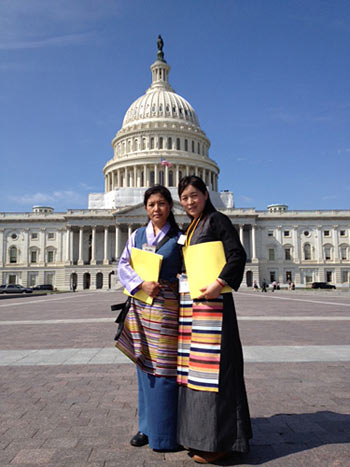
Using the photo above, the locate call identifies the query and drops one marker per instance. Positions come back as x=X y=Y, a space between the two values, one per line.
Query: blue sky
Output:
x=269 y=80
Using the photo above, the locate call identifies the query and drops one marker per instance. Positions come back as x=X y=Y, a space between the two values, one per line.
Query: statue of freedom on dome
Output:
x=160 y=45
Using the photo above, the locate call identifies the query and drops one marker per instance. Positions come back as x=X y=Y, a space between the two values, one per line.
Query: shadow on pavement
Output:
x=285 y=434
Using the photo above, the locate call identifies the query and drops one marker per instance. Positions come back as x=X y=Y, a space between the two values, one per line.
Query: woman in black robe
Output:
x=212 y=422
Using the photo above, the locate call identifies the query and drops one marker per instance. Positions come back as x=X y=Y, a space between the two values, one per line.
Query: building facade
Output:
x=161 y=141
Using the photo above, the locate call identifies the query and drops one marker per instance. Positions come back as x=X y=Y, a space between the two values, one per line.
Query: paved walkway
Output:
x=68 y=397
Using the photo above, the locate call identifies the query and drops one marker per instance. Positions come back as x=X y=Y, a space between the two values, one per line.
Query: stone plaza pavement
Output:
x=69 y=398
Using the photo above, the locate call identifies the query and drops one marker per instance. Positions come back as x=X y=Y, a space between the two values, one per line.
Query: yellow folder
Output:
x=147 y=265
x=203 y=263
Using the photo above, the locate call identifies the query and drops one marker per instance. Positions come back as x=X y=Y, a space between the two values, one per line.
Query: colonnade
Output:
x=146 y=175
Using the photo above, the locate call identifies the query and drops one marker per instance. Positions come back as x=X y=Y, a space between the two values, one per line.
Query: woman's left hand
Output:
x=212 y=290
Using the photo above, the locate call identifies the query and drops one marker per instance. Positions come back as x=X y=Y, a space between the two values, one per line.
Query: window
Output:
x=271 y=254
x=345 y=276
x=270 y=233
x=178 y=144
x=13 y=254
x=160 y=142
x=152 y=177
x=34 y=236
x=288 y=276
x=192 y=146
x=14 y=236
x=306 y=233
x=152 y=143
x=186 y=145
x=286 y=233
x=307 y=252
x=12 y=279
x=327 y=252
x=49 y=277
x=33 y=256
x=272 y=276
x=161 y=177
x=327 y=233
x=171 y=178
x=198 y=148
x=50 y=256
x=51 y=235
x=170 y=143
x=287 y=254
x=342 y=233
x=343 y=252
x=32 y=280
x=329 y=276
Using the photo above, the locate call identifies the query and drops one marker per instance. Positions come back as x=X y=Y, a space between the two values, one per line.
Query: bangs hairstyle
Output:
x=198 y=183
x=165 y=193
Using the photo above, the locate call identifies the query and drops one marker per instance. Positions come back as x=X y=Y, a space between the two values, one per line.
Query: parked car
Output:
x=322 y=285
x=14 y=288
x=43 y=287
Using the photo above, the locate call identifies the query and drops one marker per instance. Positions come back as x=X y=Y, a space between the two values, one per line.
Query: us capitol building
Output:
x=161 y=141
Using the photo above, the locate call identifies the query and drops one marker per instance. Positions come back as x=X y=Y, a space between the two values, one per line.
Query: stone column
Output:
x=187 y=170
x=254 y=258
x=117 y=241
x=145 y=177
x=129 y=231
x=118 y=178
x=135 y=177
x=42 y=245
x=156 y=177
x=71 y=246
x=1 y=247
x=60 y=245
x=196 y=171
x=138 y=177
x=319 y=252
x=81 y=236
x=125 y=184
x=177 y=177
x=105 y=250
x=241 y=227
x=68 y=234
x=335 y=243
x=106 y=185
x=296 y=244
x=93 y=245
x=26 y=249
x=166 y=176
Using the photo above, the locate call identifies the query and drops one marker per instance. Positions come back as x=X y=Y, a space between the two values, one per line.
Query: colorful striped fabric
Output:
x=149 y=337
x=200 y=327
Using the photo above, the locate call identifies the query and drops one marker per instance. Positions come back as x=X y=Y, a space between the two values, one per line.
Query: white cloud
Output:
x=64 y=196
x=45 y=23
x=246 y=199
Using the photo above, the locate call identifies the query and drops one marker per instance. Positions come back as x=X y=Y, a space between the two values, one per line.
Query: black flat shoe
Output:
x=140 y=439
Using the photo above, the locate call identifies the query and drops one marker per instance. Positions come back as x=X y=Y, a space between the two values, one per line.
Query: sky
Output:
x=269 y=80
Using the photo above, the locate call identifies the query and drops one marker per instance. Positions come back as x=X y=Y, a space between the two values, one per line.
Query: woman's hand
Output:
x=212 y=290
x=150 y=288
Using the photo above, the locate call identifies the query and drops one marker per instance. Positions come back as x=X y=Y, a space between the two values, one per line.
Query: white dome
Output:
x=160 y=101
x=163 y=104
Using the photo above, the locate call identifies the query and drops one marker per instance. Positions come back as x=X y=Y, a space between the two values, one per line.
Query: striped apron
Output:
x=149 y=337
x=199 y=343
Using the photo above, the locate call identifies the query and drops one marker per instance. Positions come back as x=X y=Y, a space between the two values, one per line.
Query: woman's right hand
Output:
x=150 y=288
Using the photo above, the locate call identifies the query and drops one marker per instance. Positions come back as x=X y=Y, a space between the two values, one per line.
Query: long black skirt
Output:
x=218 y=421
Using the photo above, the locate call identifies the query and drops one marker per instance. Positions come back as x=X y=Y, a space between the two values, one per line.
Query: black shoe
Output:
x=140 y=439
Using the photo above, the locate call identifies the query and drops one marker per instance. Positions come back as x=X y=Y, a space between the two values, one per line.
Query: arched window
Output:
x=152 y=177
x=151 y=145
x=171 y=178
x=50 y=255
x=327 y=250
x=33 y=255
x=170 y=143
x=307 y=252
x=178 y=144
x=160 y=142
x=13 y=254
x=343 y=252
x=198 y=148
x=186 y=145
x=192 y=146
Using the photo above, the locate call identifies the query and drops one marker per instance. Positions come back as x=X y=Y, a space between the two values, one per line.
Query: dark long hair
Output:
x=198 y=183
x=163 y=191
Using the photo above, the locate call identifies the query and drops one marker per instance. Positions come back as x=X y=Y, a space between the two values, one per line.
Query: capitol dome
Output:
x=160 y=101
x=160 y=141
